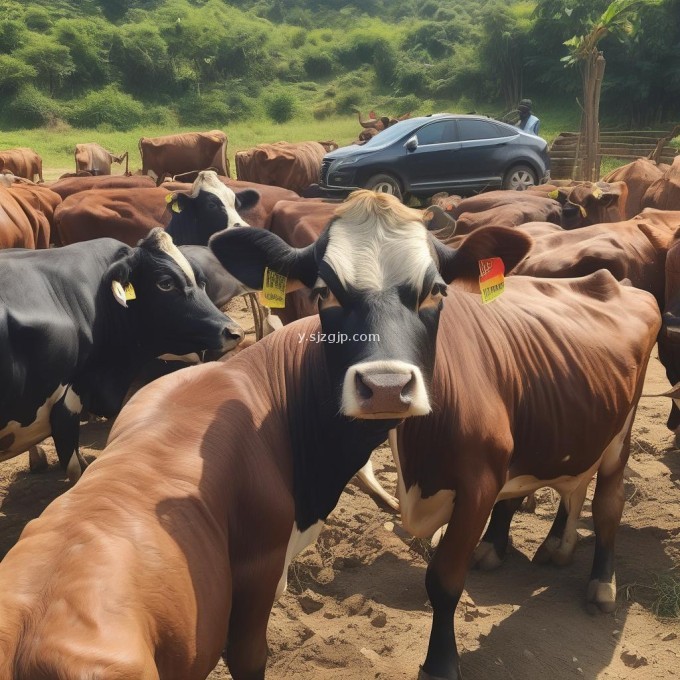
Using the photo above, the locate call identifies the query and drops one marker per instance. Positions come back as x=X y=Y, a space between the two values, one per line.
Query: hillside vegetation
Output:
x=121 y=64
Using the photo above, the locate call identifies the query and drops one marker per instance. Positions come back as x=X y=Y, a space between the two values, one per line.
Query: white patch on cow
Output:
x=297 y=542
x=73 y=469
x=421 y=517
x=72 y=402
x=164 y=243
x=7 y=179
x=351 y=405
x=208 y=180
x=377 y=243
x=367 y=476
x=35 y=432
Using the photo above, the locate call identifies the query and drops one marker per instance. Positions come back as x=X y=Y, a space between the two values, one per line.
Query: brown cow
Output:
x=176 y=154
x=538 y=388
x=22 y=162
x=25 y=216
x=291 y=166
x=95 y=159
x=124 y=214
x=234 y=472
x=638 y=177
x=72 y=185
x=664 y=193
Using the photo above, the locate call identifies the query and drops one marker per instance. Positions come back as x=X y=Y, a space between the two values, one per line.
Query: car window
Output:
x=389 y=135
x=440 y=132
x=469 y=129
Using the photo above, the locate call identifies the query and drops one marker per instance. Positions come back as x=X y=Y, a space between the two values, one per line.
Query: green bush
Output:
x=37 y=19
x=281 y=107
x=208 y=109
x=12 y=35
x=107 y=106
x=14 y=72
x=298 y=38
x=324 y=110
x=31 y=108
x=348 y=100
x=318 y=65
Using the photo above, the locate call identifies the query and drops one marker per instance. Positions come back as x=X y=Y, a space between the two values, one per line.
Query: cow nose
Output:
x=385 y=392
x=232 y=335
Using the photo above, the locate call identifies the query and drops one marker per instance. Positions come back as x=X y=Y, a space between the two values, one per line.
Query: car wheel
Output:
x=385 y=184
x=519 y=178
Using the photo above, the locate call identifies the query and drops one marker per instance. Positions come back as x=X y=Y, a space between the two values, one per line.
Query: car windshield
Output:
x=391 y=134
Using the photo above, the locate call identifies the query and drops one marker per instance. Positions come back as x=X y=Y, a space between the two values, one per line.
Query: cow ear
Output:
x=247 y=199
x=117 y=279
x=510 y=245
x=245 y=252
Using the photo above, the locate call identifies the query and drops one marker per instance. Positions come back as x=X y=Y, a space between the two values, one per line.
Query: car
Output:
x=440 y=152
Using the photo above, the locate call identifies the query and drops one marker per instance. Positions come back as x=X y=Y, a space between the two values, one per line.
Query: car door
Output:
x=483 y=152
x=431 y=165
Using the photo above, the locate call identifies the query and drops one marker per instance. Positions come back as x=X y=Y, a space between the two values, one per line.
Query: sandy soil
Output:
x=356 y=608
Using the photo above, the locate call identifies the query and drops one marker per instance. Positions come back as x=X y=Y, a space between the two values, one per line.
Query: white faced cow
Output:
x=224 y=472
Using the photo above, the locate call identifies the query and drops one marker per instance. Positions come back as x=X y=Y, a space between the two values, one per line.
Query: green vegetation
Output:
x=128 y=63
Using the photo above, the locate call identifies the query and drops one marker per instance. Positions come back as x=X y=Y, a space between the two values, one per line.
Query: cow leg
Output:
x=560 y=543
x=446 y=574
x=37 y=459
x=491 y=550
x=65 y=424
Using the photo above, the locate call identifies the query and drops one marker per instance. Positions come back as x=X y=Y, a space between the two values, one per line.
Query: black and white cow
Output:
x=76 y=325
x=209 y=207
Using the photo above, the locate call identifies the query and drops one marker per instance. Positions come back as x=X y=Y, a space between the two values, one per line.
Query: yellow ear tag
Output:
x=130 y=292
x=491 y=279
x=168 y=198
x=555 y=193
x=273 y=293
x=598 y=193
x=174 y=206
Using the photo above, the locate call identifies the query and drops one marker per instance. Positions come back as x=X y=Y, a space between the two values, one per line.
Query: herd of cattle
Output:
x=171 y=548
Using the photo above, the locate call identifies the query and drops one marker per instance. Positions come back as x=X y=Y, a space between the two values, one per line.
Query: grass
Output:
x=56 y=145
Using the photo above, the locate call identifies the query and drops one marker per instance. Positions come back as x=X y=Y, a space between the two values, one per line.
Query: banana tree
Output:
x=619 y=19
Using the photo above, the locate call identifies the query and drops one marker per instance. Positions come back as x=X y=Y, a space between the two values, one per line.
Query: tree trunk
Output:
x=593 y=73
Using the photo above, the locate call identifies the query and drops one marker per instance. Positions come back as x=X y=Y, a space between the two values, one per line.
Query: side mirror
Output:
x=411 y=144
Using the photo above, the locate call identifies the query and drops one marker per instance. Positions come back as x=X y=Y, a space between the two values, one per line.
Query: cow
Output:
x=71 y=185
x=95 y=159
x=175 y=154
x=127 y=215
x=76 y=325
x=638 y=177
x=511 y=380
x=24 y=221
x=22 y=162
x=664 y=192
x=257 y=215
x=291 y=166
x=235 y=465
x=208 y=207
x=374 y=125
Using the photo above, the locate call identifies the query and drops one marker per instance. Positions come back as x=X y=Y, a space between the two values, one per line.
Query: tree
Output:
x=51 y=60
x=619 y=18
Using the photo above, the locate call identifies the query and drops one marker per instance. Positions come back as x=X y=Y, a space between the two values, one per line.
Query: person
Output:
x=527 y=121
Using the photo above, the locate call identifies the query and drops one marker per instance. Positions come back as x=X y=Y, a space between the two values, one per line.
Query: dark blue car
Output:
x=441 y=152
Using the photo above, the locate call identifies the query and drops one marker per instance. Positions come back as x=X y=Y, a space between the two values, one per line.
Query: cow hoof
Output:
x=529 y=504
x=424 y=675
x=37 y=459
x=601 y=596
x=485 y=557
x=551 y=551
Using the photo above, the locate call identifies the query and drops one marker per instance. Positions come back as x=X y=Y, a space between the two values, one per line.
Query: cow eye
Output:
x=322 y=292
x=166 y=284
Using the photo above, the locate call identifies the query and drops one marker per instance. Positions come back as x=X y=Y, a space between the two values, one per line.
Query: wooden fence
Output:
x=565 y=151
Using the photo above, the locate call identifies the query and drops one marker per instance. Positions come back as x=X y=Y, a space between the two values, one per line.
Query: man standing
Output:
x=527 y=121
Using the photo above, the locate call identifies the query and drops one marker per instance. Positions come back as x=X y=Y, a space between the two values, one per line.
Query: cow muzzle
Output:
x=384 y=390
x=232 y=335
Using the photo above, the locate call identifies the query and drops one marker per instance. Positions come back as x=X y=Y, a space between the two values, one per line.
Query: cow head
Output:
x=589 y=203
x=380 y=280
x=209 y=207
x=166 y=309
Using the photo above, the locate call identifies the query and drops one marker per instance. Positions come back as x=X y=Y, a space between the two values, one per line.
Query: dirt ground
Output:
x=356 y=607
